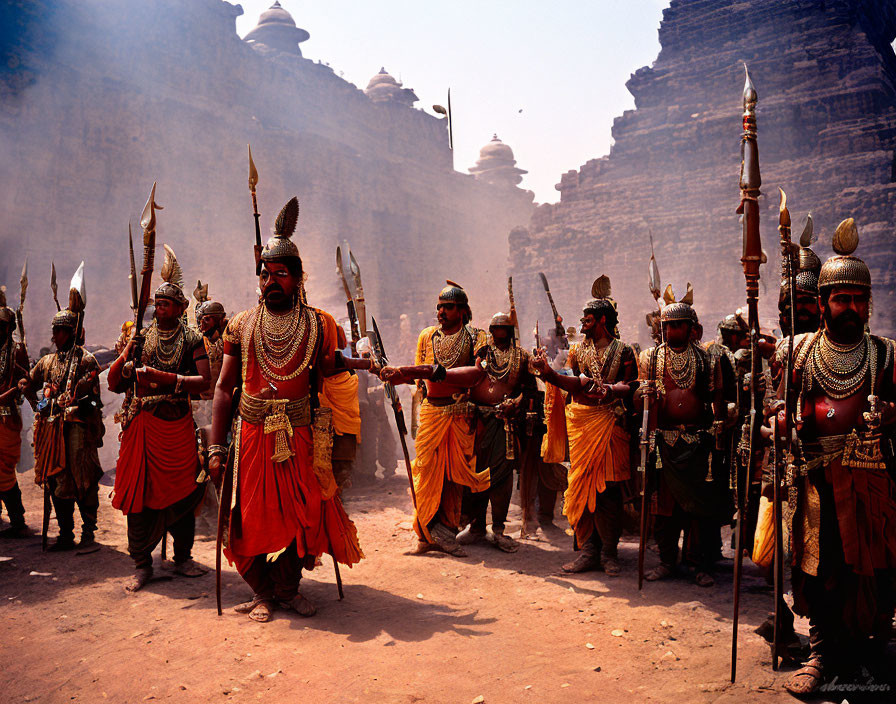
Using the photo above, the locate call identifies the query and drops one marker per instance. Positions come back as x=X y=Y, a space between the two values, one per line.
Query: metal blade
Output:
x=132 y=275
x=360 y=306
x=23 y=285
x=808 y=236
x=378 y=343
x=340 y=269
x=544 y=281
x=77 y=296
x=653 y=273
x=148 y=219
x=253 y=172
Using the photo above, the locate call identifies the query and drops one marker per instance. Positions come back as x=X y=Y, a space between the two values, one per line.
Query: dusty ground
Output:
x=508 y=628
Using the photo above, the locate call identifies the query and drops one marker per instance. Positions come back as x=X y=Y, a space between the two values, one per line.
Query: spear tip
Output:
x=253 y=172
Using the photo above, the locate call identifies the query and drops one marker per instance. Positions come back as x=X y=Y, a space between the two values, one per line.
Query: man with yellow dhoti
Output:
x=445 y=442
x=13 y=367
x=339 y=392
x=604 y=372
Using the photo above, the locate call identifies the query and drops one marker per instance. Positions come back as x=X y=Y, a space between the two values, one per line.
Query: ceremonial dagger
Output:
x=558 y=321
x=752 y=258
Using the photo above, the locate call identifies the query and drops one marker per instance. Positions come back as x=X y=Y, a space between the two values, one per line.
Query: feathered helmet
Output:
x=809 y=264
x=280 y=246
x=7 y=315
x=843 y=269
x=173 y=278
x=678 y=310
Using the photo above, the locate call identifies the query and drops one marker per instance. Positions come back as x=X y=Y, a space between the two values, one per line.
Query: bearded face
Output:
x=846 y=312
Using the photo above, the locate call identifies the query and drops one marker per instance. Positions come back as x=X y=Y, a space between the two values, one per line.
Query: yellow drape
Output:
x=340 y=392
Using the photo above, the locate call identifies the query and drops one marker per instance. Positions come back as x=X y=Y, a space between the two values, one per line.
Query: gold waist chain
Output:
x=279 y=416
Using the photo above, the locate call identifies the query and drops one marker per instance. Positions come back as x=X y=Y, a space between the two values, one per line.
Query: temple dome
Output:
x=277 y=30
x=497 y=165
x=383 y=88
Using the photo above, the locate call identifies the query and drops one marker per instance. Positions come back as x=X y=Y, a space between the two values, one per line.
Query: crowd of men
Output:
x=260 y=414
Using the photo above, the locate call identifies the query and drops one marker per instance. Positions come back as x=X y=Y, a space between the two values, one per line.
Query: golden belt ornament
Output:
x=276 y=421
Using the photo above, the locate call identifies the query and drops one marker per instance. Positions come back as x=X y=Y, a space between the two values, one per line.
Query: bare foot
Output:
x=659 y=572
x=611 y=567
x=139 y=580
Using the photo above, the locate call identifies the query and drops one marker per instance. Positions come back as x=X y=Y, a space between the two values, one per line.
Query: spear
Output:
x=513 y=317
x=53 y=285
x=23 y=287
x=349 y=300
x=753 y=257
x=783 y=448
x=148 y=223
x=253 y=182
x=132 y=276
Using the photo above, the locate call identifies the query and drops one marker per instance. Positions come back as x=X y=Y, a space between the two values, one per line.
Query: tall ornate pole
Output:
x=783 y=427
x=750 y=181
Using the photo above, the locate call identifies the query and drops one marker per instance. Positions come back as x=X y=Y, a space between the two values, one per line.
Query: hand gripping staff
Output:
x=752 y=258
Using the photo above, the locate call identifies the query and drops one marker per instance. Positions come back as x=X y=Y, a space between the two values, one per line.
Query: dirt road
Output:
x=507 y=628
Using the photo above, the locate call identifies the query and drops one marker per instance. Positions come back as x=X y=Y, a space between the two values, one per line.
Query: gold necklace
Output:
x=594 y=361
x=448 y=349
x=281 y=335
x=271 y=357
x=164 y=348
x=841 y=369
x=501 y=364
x=682 y=366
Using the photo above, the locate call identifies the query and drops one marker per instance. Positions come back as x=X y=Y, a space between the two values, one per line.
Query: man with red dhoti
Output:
x=285 y=509
x=158 y=461
x=13 y=367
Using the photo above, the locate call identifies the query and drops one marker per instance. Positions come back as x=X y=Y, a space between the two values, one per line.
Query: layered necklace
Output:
x=278 y=339
x=841 y=369
x=682 y=366
x=165 y=347
x=449 y=349
x=593 y=360
x=500 y=364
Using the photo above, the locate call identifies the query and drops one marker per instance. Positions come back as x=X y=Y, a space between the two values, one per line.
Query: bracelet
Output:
x=178 y=384
x=217 y=450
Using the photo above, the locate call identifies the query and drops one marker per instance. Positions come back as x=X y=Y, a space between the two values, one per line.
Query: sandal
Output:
x=704 y=579
x=659 y=572
x=300 y=605
x=189 y=568
x=247 y=606
x=262 y=612
x=583 y=563
x=506 y=543
x=612 y=567
x=807 y=680
x=139 y=580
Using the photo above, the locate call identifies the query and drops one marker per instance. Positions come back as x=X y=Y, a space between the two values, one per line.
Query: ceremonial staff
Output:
x=753 y=256
x=558 y=321
x=253 y=182
x=653 y=282
x=783 y=427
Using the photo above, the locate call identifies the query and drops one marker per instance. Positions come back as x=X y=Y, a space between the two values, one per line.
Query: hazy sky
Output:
x=547 y=77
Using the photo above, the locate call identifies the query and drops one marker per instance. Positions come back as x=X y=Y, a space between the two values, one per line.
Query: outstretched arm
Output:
x=461 y=377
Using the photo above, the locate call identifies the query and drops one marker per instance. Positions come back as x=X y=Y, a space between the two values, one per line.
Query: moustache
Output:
x=848 y=318
x=272 y=288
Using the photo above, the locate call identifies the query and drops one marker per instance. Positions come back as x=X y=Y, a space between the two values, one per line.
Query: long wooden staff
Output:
x=753 y=257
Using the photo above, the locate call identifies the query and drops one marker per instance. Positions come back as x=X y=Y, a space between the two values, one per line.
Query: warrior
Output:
x=604 y=375
x=843 y=493
x=686 y=385
x=806 y=290
x=445 y=441
x=13 y=368
x=499 y=385
x=284 y=509
x=68 y=430
x=158 y=462
x=211 y=318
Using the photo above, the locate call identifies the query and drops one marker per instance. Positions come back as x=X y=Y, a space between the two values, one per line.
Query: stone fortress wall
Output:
x=826 y=77
x=99 y=98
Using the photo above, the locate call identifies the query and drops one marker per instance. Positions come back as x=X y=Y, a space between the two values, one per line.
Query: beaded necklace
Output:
x=841 y=369
x=449 y=349
x=164 y=348
x=274 y=350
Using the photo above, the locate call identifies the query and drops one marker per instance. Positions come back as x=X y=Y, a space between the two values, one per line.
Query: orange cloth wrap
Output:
x=10 y=451
x=598 y=453
x=340 y=393
x=157 y=463
x=445 y=452
x=554 y=442
x=279 y=502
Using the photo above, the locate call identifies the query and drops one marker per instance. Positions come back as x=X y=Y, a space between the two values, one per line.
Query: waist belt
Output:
x=292 y=412
x=689 y=434
x=9 y=411
x=441 y=401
